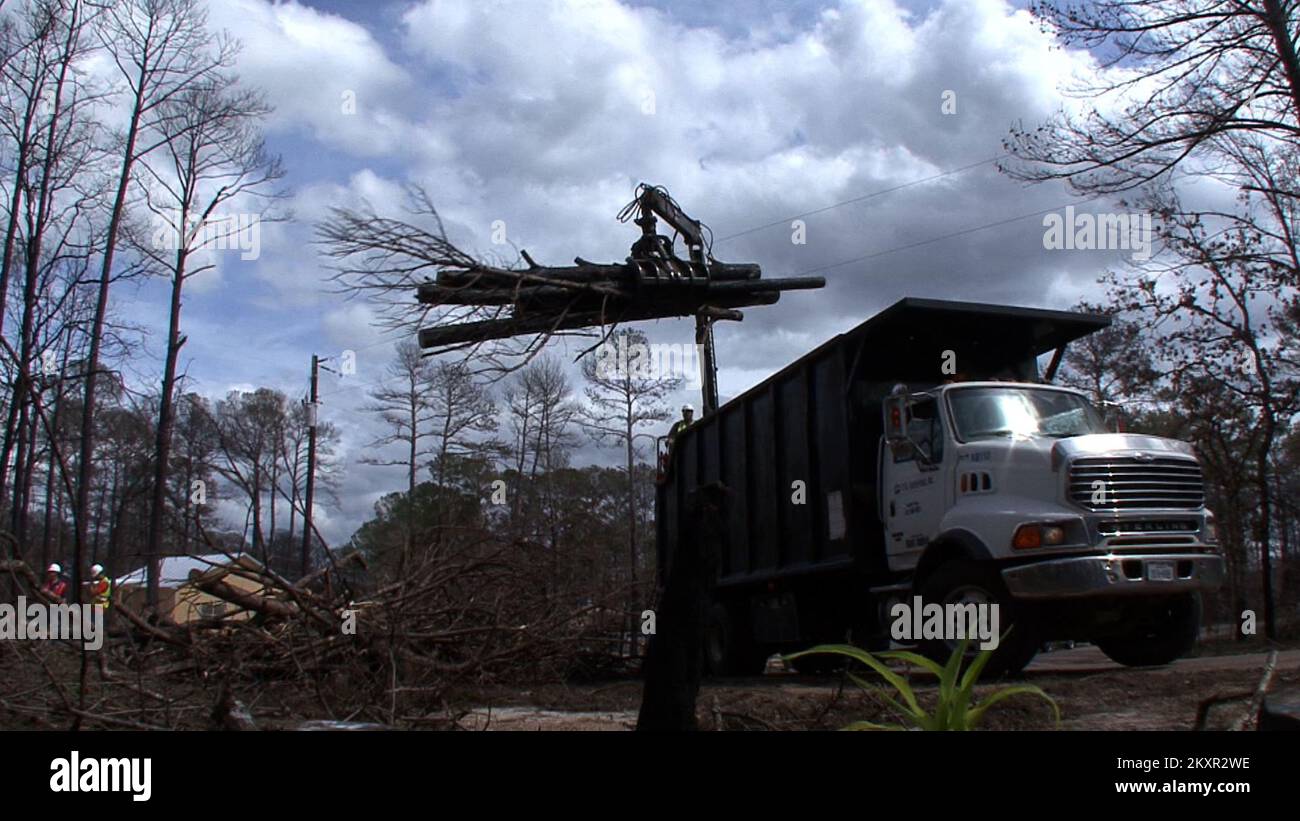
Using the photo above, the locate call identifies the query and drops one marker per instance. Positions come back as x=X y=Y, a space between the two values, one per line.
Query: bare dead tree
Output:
x=48 y=107
x=160 y=48
x=61 y=226
x=1228 y=315
x=211 y=155
x=462 y=411
x=625 y=391
x=1187 y=73
x=1113 y=364
x=28 y=48
x=384 y=261
x=246 y=424
x=405 y=407
x=541 y=413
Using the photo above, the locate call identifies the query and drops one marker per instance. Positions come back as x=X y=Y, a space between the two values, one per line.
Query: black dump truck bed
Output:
x=817 y=421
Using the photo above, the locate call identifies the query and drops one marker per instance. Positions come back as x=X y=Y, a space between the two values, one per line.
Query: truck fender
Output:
x=957 y=543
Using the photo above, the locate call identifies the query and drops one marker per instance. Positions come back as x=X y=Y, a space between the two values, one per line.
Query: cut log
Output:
x=264 y=605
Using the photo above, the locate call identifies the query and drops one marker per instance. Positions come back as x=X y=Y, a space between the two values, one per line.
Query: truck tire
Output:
x=1164 y=632
x=963 y=581
x=728 y=649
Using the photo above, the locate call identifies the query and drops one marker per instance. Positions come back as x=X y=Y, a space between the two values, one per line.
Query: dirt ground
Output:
x=1093 y=694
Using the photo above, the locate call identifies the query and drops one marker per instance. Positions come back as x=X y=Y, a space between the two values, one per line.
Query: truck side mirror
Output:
x=1113 y=417
x=895 y=410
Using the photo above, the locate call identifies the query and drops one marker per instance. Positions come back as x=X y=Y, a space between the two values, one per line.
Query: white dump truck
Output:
x=923 y=454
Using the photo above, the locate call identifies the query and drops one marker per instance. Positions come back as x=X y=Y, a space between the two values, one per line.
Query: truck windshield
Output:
x=984 y=413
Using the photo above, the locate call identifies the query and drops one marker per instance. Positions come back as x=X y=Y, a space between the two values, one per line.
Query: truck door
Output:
x=912 y=486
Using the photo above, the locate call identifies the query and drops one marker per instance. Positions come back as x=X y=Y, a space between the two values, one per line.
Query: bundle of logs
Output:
x=545 y=299
x=287 y=652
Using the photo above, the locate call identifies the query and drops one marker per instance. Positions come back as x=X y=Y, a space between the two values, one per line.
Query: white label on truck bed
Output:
x=834 y=516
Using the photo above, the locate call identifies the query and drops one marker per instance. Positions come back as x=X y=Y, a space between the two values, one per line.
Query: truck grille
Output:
x=1160 y=482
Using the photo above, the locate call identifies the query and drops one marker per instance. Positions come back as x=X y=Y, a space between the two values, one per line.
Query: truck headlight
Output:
x=1030 y=536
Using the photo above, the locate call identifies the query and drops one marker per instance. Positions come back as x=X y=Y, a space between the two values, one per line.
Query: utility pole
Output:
x=708 y=363
x=313 y=406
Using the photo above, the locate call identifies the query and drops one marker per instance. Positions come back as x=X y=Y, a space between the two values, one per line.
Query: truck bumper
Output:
x=1115 y=574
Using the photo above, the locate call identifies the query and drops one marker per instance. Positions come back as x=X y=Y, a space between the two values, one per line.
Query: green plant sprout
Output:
x=954 y=710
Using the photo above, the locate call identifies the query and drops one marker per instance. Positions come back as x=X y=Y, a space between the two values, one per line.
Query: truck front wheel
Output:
x=1162 y=632
x=967 y=582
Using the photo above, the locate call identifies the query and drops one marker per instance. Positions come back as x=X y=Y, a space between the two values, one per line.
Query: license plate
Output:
x=1160 y=571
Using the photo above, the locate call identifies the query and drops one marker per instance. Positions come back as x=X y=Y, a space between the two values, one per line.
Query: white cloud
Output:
x=311 y=64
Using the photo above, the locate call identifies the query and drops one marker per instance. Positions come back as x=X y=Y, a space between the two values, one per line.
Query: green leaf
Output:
x=914 y=713
x=857 y=653
x=967 y=687
x=977 y=714
x=977 y=667
x=948 y=679
x=944 y=712
x=912 y=658
x=867 y=725
x=953 y=709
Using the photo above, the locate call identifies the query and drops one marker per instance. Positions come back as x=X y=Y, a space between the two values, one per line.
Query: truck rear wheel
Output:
x=968 y=582
x=1163 y=632
x=729 y=650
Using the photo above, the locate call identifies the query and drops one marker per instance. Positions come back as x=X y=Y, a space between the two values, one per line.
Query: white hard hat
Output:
x=54 y=568
x=688 y=409
x=96 y=569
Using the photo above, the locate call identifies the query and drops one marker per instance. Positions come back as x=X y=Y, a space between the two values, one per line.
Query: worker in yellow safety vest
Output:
x=666 y=455
x=101 y=587
x=688 y=416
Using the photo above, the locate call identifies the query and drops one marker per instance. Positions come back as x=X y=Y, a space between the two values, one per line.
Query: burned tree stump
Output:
x=674 y=663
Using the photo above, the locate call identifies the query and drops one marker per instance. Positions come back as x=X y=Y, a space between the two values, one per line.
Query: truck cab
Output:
x=1018 y=493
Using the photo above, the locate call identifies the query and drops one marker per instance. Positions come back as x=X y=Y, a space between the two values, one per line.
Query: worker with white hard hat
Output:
x=688 y=416
x=55 y=586
x=101 y=587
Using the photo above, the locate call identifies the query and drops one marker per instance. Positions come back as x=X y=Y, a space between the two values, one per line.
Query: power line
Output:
x=345 y=385
x=942 y=237
x=862 y=198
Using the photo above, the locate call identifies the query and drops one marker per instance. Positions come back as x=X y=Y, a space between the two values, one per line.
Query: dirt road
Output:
x=1092 y=692
x=1089 y=659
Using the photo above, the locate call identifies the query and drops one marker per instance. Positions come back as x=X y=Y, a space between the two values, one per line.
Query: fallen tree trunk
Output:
x=170 y=634
x=1249 y=719
x=265 y=605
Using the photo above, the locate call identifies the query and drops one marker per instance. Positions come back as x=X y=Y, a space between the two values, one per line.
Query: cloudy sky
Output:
x=545 y=114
